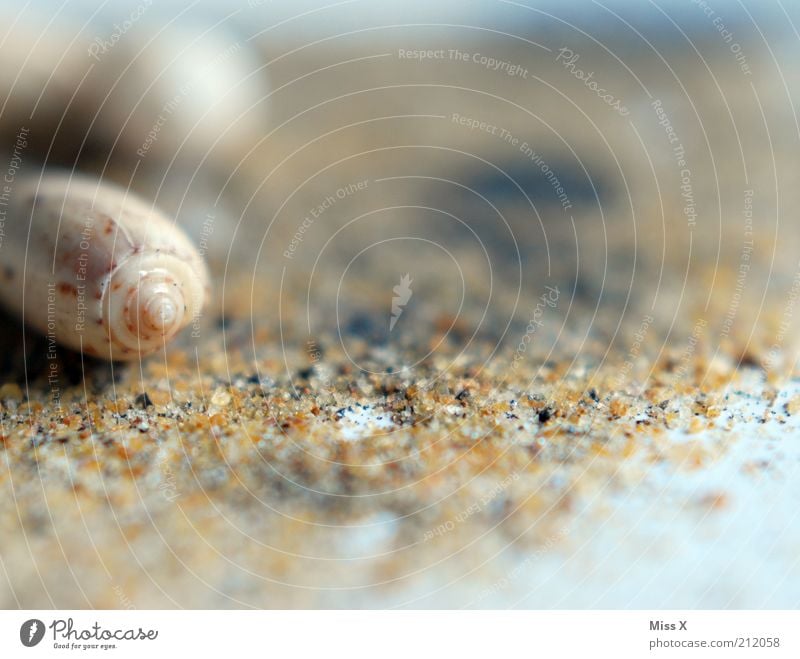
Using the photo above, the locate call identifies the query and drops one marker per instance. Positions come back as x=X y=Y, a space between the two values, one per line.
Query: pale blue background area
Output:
x=325 y=17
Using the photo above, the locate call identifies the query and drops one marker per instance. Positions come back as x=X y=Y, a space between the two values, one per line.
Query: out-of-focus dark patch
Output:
x=143 y=401
x=29 y=360
x=536 y=236
x=366 y=326
x=501 y=188
x=21 y=350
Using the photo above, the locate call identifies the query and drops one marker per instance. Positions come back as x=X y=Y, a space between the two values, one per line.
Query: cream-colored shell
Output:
x=95 y=268
x=181 y=89
x=159 y=91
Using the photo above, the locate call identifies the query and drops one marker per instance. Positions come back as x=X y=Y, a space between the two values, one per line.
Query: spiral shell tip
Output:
x=157 y=310
x=161 y=314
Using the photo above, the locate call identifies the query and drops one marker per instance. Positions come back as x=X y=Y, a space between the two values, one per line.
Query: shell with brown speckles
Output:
x=98 y=269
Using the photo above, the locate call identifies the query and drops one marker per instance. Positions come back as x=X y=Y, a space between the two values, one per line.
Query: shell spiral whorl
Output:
x=157 y=310
x=149 y=299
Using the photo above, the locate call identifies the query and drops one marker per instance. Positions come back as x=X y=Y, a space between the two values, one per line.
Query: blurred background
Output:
x=253 y=115
x=525 y=201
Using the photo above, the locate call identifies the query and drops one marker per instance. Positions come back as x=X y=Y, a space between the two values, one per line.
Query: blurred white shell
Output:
x=154 y=90
x=194 y=91
x=94 y=267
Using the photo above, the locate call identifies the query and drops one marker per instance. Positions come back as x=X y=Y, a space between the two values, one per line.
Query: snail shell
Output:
x=96 y=268
x=181 y=89
x=163 y=90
